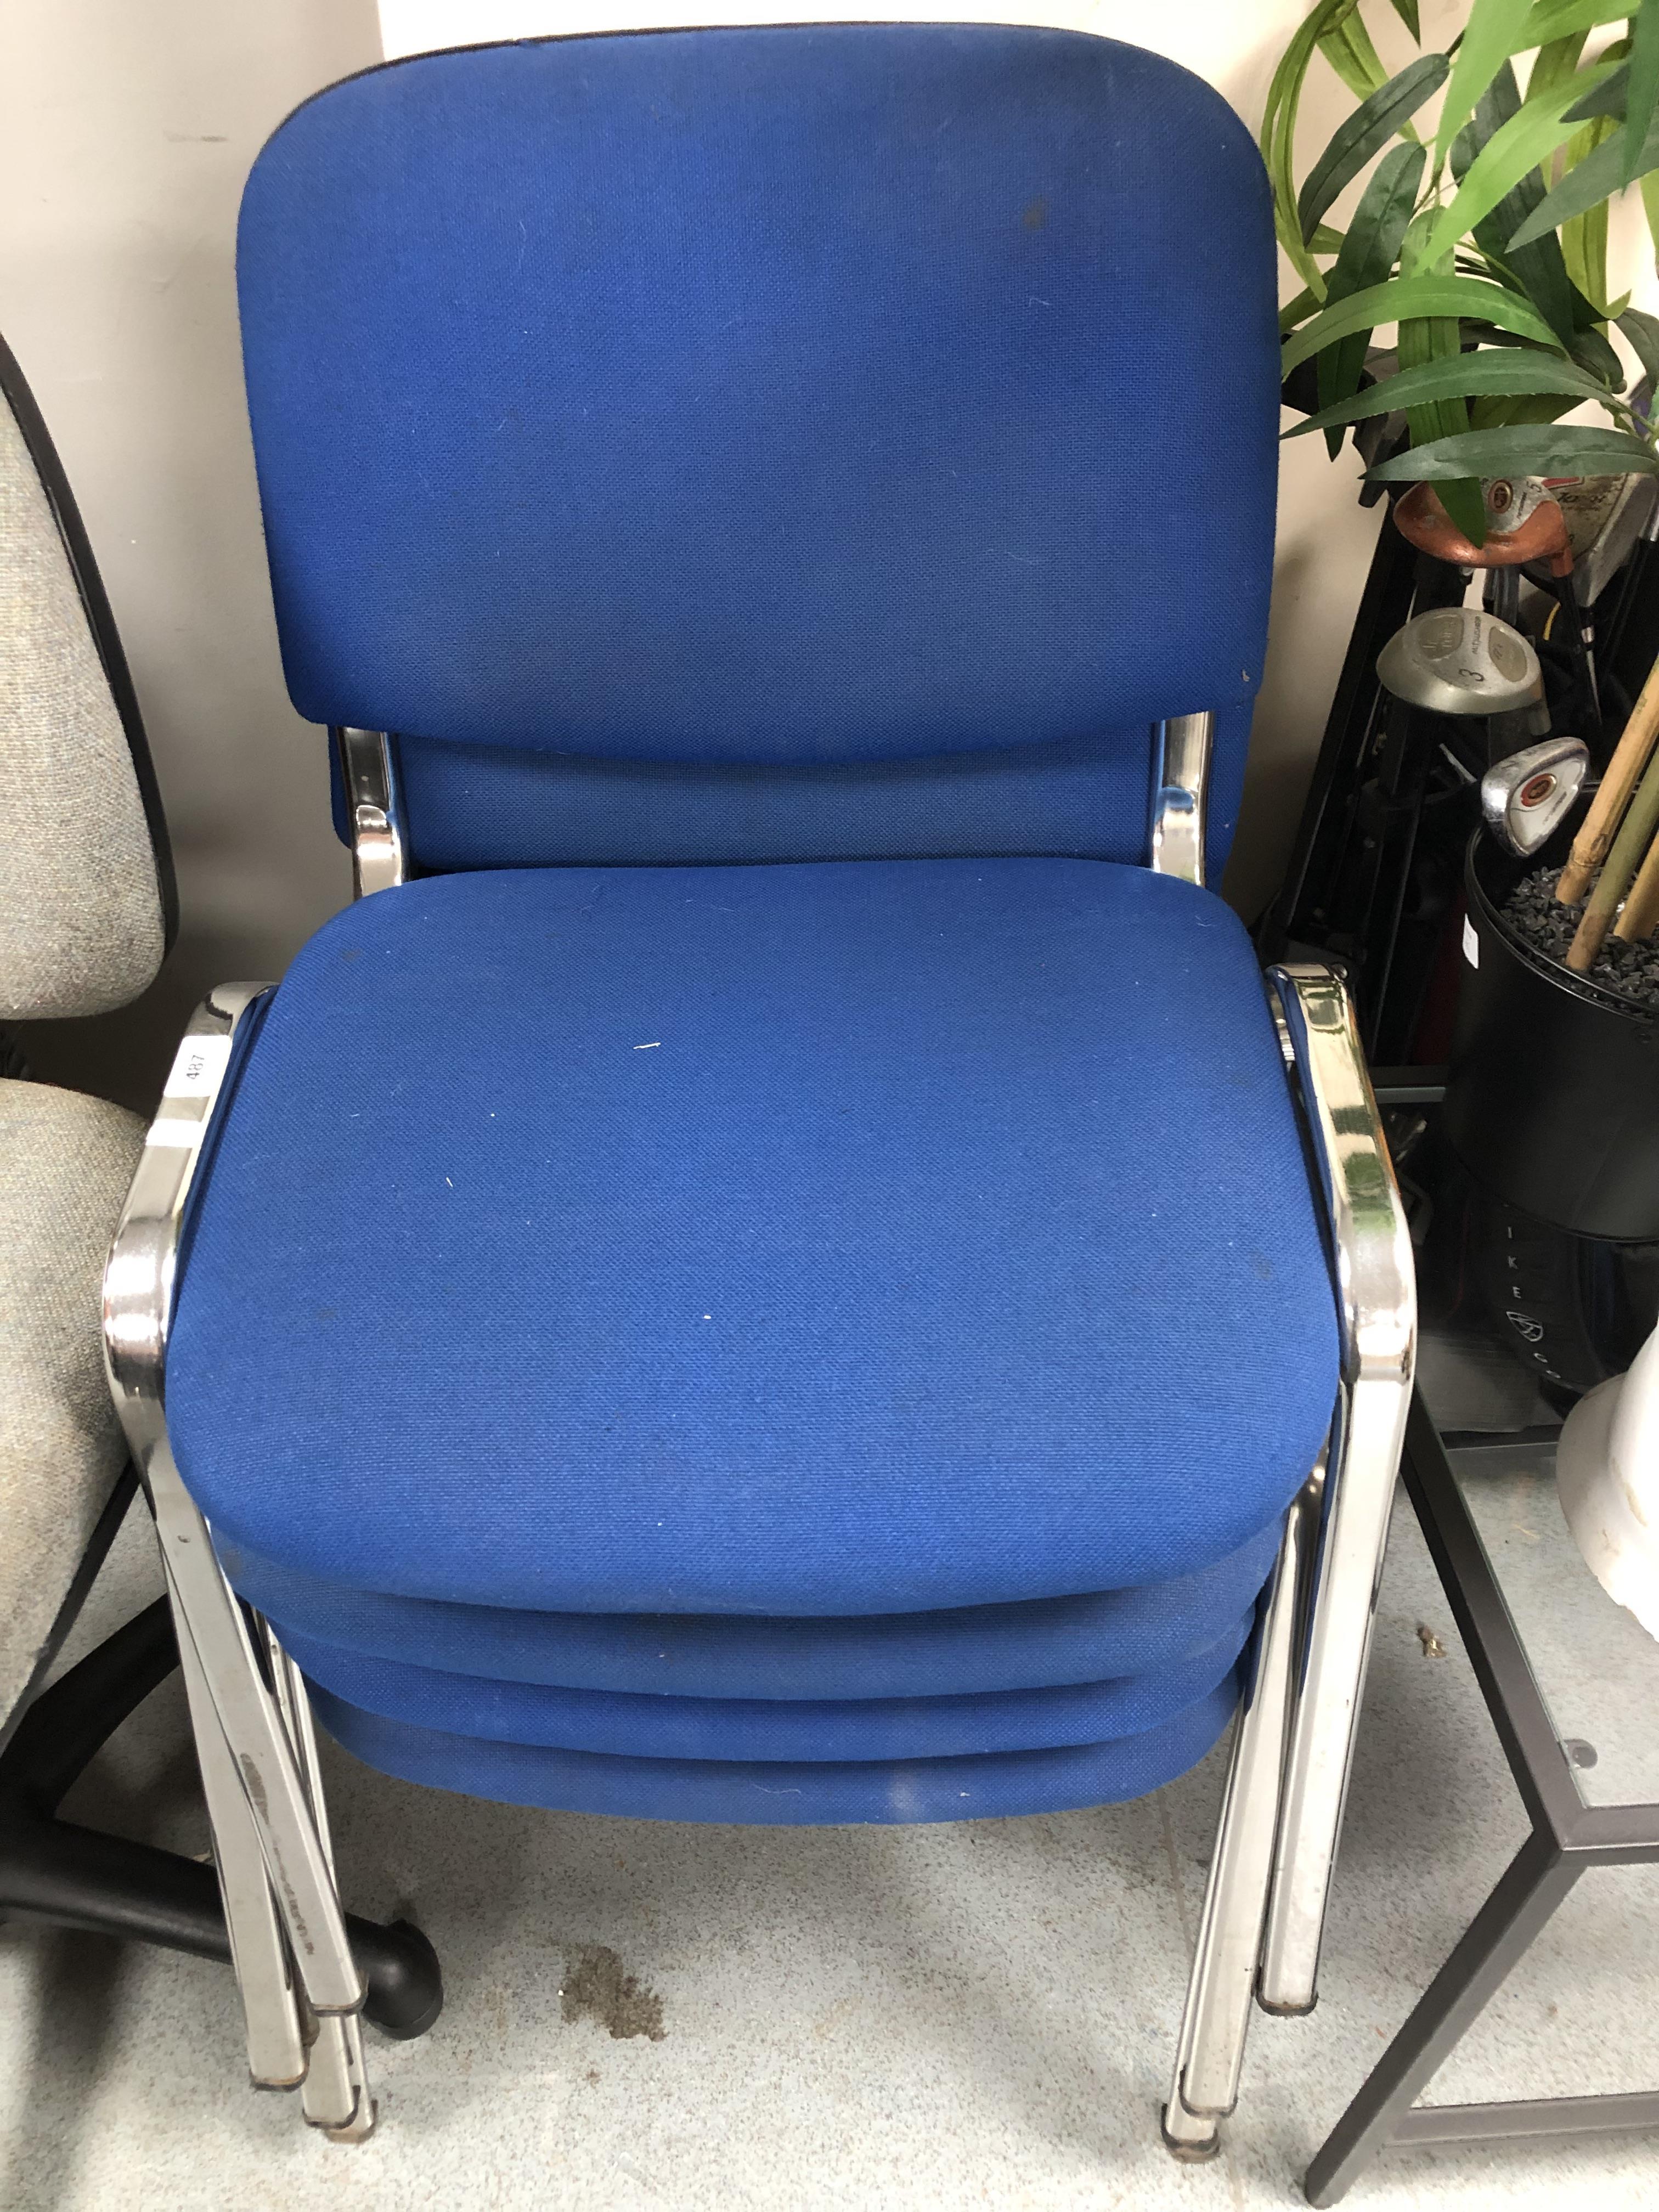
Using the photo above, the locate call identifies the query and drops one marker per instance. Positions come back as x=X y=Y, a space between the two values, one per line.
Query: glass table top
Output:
x=1595 y=1666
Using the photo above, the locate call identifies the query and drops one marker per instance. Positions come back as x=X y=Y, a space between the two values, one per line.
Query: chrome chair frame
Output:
x=368 y=774
x=301 y=1987
x=1281 y=1814
x=1264 y=1910
x=1293 y=1739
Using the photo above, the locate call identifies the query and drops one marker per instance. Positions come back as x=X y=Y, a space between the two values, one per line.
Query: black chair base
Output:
x=63 y=1876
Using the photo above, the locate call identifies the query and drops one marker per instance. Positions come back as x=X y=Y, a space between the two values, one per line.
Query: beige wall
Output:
x=126 y=129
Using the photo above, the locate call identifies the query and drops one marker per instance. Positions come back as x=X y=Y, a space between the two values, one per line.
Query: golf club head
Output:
x=1606 y=515
x=1525 y=798
x=1522 y=526
x=1461 y=660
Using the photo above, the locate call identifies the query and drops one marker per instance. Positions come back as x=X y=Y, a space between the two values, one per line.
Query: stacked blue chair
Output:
x=770 y=1272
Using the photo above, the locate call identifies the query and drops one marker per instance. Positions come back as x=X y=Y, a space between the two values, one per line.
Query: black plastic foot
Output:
x=405 y=1981
x=58 y=1874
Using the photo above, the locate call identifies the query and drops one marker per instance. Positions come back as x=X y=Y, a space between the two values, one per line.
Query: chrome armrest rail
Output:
x=1377 y=1282
x=139 y=1285
x=1181 y=791
x=138 y=1281
x=1376 y=1303
x=368 y=768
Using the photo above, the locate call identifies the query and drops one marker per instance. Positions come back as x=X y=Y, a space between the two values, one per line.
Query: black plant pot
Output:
x=1553 y=1093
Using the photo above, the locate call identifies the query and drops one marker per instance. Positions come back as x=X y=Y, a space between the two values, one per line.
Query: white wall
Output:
x=125 y=133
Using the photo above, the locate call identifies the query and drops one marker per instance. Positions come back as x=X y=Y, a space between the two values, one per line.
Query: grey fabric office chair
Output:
x=86 y=913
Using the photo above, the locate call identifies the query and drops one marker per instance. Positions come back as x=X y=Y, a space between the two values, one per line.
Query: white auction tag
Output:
x=199 y=1067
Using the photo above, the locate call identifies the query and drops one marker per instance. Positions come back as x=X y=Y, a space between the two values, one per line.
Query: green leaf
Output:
x=1407 y=11
x=1607 y=99
x=1643 y=332
x=1296 y=311
x=1420 y=341
x=1549 y=20
x=1538 y=270
x=1591 y=351
x=1490 y=37
x=1345 y=362
x=1404 y=297
x=1464 y=500
x=1365 y=132
x=1325 y=239
x=1500 y=100
x=1584 y=239
x=1519 y=369
x=1278 y=134
x=1378 y=229
x=1585 y=313
x=1368 y=253
x=1349 y=51
x=1597 y=177
x=1491 y=414
x=1530 y=136
x=1643 y=98
x=1555 y=63
x=1542 y=450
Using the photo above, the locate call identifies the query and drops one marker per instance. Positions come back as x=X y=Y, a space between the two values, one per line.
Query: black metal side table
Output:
x=1570 y=1834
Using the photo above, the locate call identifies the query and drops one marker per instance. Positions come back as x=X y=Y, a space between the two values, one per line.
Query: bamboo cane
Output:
x=1629 y=848
x=1641 y=914
x=1594 y=840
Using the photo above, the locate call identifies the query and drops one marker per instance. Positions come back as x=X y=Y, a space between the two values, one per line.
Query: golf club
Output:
x=1525 y=798
x=1461 y=660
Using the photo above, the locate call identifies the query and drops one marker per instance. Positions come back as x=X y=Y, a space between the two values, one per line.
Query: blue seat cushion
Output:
x=769 y=1728
x=1027 y=1646
x=788 y=1795
x=511 y=806
x=828 y=1238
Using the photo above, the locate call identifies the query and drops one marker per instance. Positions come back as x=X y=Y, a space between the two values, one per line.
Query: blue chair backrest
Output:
x=761 y=443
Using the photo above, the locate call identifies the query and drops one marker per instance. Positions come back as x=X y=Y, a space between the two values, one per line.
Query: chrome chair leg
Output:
x=1376 y=1303
x=259 y=1955
x=336 y=2096
x=1211 y=2050
x=257 y=1744
x=1328 y=1684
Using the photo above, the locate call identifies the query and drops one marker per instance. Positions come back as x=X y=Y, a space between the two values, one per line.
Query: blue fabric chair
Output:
x=770 y=1273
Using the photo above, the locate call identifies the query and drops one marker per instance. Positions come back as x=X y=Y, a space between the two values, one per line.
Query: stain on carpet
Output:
x=598 y=1987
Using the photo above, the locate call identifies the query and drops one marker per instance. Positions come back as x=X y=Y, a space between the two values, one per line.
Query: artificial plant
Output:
x=1481 y=233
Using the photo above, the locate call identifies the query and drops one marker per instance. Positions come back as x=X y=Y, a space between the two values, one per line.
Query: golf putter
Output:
x=1525 y=798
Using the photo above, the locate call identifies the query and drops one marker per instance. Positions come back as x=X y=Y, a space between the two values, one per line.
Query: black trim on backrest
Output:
x=14 y=387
